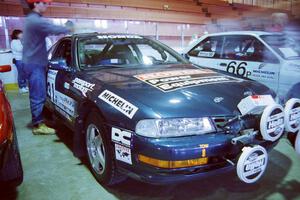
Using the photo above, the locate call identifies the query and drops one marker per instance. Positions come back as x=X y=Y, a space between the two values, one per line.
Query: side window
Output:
x=208 y=48
x=233 y=48
x=247 y=48
x=63 y=50
x=261 y=53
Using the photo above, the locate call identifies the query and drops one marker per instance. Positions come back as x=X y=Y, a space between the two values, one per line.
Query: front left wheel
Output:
x=100 y=152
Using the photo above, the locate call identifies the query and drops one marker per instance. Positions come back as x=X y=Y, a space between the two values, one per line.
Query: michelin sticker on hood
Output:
x=83 y=86
x=118 y=103
x=167 y=81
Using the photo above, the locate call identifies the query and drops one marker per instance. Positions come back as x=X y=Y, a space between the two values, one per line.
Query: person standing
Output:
x=36 y=29
x=17 y=49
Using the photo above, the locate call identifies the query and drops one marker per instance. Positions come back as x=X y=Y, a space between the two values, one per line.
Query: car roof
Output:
x=100 y=34
x=253 y=33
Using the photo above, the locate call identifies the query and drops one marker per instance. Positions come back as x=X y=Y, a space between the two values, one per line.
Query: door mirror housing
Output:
x=186 y=56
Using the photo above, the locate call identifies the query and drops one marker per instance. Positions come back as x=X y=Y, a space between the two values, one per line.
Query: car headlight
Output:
x=157 y=128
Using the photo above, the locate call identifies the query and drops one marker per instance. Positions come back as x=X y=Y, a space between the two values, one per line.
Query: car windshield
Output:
x=124 y=51
x=284 y=45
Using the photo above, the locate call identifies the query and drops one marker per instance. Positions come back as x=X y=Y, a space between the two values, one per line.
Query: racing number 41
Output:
x=239 y=69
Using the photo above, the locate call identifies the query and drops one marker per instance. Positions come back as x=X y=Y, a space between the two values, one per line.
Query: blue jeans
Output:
x=36 y=75
x=21 y=76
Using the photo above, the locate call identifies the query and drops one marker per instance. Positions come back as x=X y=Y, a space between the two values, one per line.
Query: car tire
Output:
x=99 y=152
x=11 y=175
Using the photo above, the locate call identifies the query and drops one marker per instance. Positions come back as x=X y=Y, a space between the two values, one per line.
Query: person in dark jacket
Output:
x=35 y=60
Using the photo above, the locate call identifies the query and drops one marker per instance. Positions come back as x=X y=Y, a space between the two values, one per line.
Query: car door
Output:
x=207 y=52
x=247 y=56
x=59 y=80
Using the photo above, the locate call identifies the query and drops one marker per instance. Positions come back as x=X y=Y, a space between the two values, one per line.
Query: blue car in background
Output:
x=139 y=110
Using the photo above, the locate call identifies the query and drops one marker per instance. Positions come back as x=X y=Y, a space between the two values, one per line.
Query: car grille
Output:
x=221 y=121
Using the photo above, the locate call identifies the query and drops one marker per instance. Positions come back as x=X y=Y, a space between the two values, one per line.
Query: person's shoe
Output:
x=23 y=90
x=43 y=129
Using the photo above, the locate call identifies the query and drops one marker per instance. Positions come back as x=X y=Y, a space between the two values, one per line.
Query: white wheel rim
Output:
x=95 y=148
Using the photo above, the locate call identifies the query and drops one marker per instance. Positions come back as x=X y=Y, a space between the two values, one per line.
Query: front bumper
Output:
x=219 y=148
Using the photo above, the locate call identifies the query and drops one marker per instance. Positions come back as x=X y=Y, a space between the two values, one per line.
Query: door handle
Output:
x=223 y=64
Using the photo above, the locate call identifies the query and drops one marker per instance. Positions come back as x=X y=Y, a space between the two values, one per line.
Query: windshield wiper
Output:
x=160 y=62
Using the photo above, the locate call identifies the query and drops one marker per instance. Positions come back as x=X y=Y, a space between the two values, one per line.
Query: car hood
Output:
x=178 y=90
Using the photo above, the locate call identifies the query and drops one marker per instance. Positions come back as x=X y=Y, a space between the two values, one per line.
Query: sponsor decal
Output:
x=59 y=99
x=118 y=103
x=122 y=141
x=206 y=54
x=203 y=149
x=252 y=164
x=123 y=154
x=66 y=85
x=119 y=37
x=83 y=86
x=260 y=73
x=218 y=99
x=272 y=122
x=172 y=80
x=264 y=72
x=248 y=93
x=66 y=103
x=63 y=113
x=166 y=74
x=121 y=137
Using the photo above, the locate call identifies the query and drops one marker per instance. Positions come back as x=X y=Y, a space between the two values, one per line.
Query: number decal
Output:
x=231 y=67
x=64 y=104
x=239 y=69
x=51 y=77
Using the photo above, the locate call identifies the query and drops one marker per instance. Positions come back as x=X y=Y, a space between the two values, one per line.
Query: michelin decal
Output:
x=118 y=103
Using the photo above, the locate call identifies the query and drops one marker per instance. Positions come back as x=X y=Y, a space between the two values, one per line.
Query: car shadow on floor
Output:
x=224 y=186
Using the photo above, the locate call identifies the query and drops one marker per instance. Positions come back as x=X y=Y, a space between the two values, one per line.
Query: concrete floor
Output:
x=52 y=172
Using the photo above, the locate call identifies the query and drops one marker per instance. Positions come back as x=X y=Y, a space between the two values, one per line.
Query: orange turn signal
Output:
x=170 y=164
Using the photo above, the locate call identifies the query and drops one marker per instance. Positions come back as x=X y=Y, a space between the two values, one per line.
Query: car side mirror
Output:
x=59 y=64
x=5 y=68
x=186 y=56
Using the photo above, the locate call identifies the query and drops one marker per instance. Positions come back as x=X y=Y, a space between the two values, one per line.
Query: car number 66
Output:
x=239 y=69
